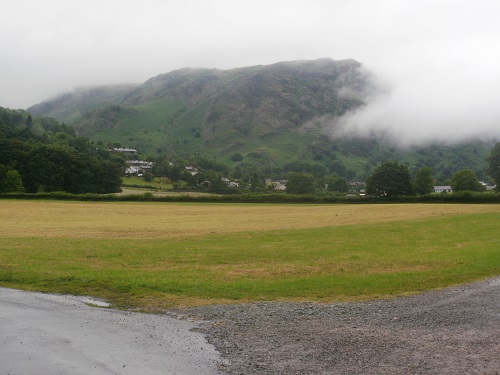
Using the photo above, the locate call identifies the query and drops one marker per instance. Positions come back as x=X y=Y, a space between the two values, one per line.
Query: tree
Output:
x=216 y=184
x=424 y=183
x=107 y=176
x=255 y=182
x=336 y=183
x=13 y=182
x=494 y=165
x=390 y=179
x=465 y=179
x=299 y=183
x=53 y=158
x=10 y=180
x=3 y=174
x=46 y=166
x=236 y=157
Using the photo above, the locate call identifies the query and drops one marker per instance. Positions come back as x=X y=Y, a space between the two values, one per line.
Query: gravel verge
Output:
x=450 y=331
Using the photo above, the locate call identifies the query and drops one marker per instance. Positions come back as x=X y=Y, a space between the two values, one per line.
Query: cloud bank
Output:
x=447 y=92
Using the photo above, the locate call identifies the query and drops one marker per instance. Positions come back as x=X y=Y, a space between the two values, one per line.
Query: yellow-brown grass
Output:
x=175 y=220
x=155 y=255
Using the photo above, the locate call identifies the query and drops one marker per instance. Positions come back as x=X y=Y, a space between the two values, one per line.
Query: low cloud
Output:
x=436 y=62
x=444 y=90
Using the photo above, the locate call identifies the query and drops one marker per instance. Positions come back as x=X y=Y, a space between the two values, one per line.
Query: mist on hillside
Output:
x=419 y=104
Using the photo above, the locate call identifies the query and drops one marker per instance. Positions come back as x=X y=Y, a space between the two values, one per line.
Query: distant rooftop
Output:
x=125 y=150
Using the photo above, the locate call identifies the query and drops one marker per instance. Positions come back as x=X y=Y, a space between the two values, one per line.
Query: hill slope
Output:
x=71 y=106
x=268 y=115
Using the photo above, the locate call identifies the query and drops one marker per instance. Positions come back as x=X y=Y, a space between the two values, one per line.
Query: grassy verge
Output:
x=196 y=256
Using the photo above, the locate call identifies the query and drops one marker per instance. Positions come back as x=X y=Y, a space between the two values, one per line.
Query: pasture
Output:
x=156 y=255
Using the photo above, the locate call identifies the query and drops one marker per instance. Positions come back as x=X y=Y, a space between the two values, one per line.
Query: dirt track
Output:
x=452 y=331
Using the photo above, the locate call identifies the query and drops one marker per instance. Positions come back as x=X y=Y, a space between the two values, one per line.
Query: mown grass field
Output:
x=156 y=255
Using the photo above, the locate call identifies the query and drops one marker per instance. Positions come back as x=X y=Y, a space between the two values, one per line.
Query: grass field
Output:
x=155 y=255
x=155 y=184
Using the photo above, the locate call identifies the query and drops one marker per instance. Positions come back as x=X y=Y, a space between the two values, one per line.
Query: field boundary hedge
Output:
x=461 y=197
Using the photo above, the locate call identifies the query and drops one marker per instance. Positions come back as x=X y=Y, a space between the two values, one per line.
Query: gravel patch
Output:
x=450 y=331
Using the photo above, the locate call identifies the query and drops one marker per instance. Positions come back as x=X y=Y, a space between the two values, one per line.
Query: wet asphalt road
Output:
x=43 y=334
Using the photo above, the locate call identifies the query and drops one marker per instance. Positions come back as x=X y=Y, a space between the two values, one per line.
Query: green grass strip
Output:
x=354 y=262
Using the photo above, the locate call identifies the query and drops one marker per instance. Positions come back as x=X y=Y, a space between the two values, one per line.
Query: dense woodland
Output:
x=42 y=155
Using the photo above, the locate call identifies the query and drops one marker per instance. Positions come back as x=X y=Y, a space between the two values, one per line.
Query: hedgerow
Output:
x=460 y=197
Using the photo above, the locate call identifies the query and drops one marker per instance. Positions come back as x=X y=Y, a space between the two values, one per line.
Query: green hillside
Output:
x=71 y=106
x=269 y=116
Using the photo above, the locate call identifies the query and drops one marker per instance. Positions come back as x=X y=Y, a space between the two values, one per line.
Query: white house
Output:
x=279 y=185
x=125 y=150
x=442 y=189
x=192 y=170
x=137 y=167
x=133 y=170
x=146 y=166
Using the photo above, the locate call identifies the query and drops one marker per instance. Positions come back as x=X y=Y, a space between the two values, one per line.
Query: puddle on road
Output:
x=95 y=302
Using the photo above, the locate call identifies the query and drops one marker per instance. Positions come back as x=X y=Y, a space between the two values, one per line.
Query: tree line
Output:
x=389 y=179
x=392 y=179
x=43 y=155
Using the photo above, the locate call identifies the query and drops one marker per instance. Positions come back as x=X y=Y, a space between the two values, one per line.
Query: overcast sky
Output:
x=439 y=58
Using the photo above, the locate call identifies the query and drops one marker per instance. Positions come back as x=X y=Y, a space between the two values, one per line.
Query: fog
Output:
x=445 y=93
x=436 y=62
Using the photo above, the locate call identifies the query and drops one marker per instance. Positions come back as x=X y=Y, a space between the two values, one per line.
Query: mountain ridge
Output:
x=57 y=107
x=271 y=115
